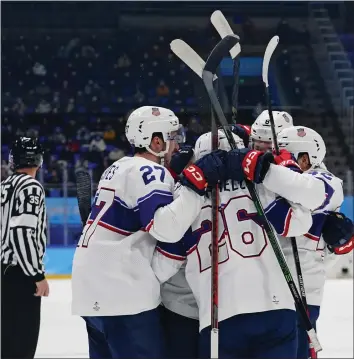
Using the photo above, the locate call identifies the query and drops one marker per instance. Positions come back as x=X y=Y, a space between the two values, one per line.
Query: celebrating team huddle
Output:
x=142 y=269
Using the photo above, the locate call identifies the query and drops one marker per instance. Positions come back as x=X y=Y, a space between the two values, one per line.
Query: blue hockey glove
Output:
x=209 y=170
x=338 y=232
x=181 y=159
x=233 y=164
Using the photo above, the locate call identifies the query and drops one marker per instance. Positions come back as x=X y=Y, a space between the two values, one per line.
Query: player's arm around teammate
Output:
x=23 y=241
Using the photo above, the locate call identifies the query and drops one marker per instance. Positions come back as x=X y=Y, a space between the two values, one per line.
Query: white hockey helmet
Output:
x=146 y=120
x=261 y=129
x=300 y=139
x=203 y=144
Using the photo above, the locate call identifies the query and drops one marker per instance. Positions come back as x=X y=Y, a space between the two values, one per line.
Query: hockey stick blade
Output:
x=221 y=25
x=83 y=189
x=182 y=50
x=272 y=45
x=219 y=52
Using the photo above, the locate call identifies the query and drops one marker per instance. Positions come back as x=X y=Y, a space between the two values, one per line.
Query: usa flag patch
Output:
x=301 y=132
x=155 y=111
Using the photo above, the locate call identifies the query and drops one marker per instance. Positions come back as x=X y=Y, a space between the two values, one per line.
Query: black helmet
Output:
x=25 y=153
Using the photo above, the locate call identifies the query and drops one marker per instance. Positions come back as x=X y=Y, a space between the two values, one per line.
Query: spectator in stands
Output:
x=97 y=144
x=109 y=134
x=32 y=132
x=115 y=155
x=73 y=146
x=124 y=61
x=139 y=97
x=39 y=69
x=87 y=51
x=43 y=107
x=58 y=137
x=162 y=90
x=56 y=101
x=53 y=177
x=19 y=107
x=83 y=135
x=71 y=105
x=5 y=170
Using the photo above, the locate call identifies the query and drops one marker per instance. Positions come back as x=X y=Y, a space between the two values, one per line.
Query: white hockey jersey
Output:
x=311 y=246
x=134 y=206
x=176 y=294
x=250 y=279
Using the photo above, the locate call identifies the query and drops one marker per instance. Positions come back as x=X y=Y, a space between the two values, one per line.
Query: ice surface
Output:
x=64 y=336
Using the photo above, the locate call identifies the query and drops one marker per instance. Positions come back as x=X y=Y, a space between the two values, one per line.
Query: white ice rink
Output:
x=63 y=335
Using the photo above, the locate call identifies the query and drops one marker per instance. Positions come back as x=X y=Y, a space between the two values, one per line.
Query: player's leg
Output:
x=98 y=346
x=135 y=336
x=232 y=339
x=274 y=335
x=181 y=335
x=303 y=349
x=20 y=311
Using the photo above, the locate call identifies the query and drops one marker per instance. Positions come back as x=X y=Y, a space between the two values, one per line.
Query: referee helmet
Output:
x=25 y=152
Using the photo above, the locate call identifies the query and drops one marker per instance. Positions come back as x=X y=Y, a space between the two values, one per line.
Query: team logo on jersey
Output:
x=96 y=307
x=301 y=132
x=155 y=111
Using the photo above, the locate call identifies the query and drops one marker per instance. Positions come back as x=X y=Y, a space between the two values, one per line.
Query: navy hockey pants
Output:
x=270 y=335
x=181 y=335
x=303 y=350
x=125 y=336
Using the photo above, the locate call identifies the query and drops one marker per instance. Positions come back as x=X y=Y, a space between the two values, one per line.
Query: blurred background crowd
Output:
x=72 y=72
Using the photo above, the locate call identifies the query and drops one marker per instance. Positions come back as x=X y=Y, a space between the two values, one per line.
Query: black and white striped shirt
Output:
x=23 y=227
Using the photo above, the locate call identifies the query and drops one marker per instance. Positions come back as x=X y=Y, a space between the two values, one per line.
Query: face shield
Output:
x=178 y=136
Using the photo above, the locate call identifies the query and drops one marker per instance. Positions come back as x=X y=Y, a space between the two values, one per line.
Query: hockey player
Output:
x=113 y=285
x=23 y=244
x=328 y=226
x=179 y=312
x=256 y=310
x=261 y=133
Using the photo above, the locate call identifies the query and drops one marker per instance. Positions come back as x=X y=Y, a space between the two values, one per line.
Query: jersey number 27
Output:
x=104 y=201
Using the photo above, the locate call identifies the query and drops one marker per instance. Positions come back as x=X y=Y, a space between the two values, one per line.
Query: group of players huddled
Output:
x=142 y=270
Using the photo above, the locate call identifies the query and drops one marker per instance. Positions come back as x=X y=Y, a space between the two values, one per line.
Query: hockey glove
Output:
x=180 y=159
x=233 y=163
x=255 y=164
x=338 y=233
x=209 y=170
x=286 y=159
x=243 y=132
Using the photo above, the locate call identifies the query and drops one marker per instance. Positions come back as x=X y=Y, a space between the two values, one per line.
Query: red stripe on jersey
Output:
x=169 y=255
x=287 y=222
x=312 y=237
x=114 y=229
x=192 y=249
x=150 y=224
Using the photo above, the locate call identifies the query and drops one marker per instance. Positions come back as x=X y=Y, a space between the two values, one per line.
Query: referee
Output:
x=23 y=242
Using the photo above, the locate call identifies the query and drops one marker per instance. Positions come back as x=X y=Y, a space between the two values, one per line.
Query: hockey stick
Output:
x=213 y=61
x=223 y=28
x=182 y=50
x=214 y=336
x=272 y=45
x=84 y=191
